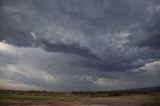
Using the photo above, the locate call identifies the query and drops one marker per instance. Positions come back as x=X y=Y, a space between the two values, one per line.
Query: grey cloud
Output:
x=149 y=31
x=105 y=39
x=55 y=71
x=51 y=47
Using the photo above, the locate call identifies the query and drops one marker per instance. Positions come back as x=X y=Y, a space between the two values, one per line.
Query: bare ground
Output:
x=110 y=101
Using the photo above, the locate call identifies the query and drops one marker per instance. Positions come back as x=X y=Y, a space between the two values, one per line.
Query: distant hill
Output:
x=147 y=89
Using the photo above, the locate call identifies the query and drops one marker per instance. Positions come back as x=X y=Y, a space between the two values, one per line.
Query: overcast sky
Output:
x=65 y=45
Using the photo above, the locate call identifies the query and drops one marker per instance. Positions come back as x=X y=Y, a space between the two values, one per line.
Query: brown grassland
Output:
x=42 y=98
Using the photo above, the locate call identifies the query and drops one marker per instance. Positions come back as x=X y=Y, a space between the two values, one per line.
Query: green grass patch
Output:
x=39 y=97
x=17 y=96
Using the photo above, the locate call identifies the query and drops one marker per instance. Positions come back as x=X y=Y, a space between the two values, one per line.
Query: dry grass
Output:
x=68 y=99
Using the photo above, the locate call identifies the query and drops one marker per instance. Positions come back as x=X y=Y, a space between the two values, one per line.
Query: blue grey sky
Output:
x=66 y=45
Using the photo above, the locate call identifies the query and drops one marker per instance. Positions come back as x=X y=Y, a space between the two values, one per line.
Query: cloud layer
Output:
x=79 y=45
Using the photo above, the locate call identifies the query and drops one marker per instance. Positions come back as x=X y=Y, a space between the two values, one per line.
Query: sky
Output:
x=67 y=45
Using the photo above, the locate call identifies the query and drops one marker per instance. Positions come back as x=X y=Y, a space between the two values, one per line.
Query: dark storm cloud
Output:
x=98 y=16
x=17 y=38
x=153 y=42
x=94 y=42
x=149 y=33
x=152 y=29
x=50 y=47
x=105 y=66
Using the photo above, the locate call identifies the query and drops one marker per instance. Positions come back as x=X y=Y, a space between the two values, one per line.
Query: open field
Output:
x=70 y=99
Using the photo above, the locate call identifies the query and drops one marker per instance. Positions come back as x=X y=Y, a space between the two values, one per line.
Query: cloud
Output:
x=24 y=66
x=50 y=43
x=149 y=31
x=11 y=85
x=151 y=68
x=33 y=35
x=60 y=71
